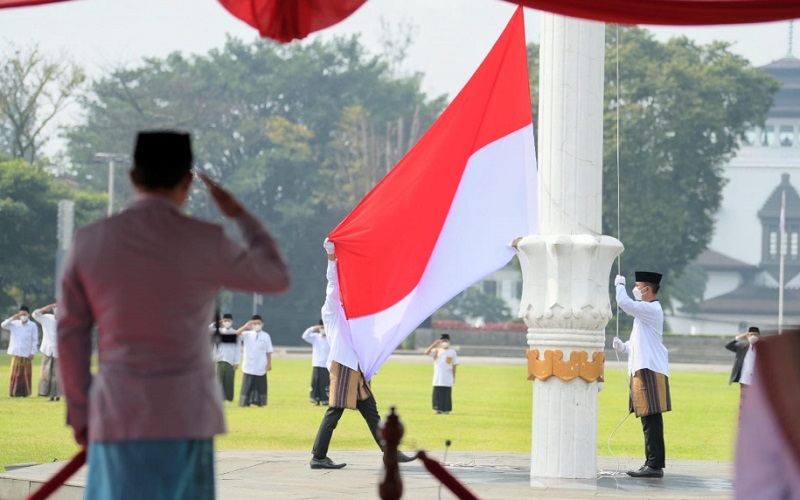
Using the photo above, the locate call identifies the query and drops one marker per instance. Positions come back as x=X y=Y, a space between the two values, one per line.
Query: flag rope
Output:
x=619 y=237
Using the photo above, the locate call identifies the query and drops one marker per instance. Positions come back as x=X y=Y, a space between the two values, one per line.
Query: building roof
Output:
x=716 y=261
x=772 y=207
x=787 y=100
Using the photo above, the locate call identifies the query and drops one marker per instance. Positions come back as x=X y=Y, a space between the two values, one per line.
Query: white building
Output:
x=742 y=260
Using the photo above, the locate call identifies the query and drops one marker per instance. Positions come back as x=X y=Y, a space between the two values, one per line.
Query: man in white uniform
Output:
x=744 y=345
x=148 y=278
x=445 y=360
x=349 y=388
x=48 y=379
x=227 y=355
x=21 y=348
x=320 y=349
x=257 y=361
x=648 y=366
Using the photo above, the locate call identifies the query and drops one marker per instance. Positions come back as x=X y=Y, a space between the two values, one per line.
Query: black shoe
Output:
x=647 y=471
x=403 y=458
x=324 y=463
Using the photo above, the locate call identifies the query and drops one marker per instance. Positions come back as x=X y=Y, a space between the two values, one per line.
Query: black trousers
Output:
x=653 y=427
x=368 y=410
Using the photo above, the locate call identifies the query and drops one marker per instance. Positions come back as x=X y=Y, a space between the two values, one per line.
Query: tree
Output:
x=34 y=88
x=473 y=303
x=298 y=132
x=28 y=219
x=683 y=110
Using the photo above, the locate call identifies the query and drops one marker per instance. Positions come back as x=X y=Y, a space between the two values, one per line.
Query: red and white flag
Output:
x=444 y=216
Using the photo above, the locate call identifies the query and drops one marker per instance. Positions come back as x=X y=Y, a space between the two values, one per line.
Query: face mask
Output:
x=752 y=339
x=24 y=319
x=445 y=345
x=55 y=311
x=637 y=294
x=258 y=327
x=227 y=324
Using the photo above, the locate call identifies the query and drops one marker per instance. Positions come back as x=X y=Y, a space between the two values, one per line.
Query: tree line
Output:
x=301 y=132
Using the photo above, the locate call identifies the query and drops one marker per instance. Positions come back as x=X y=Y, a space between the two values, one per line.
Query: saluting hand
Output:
x=225 y=201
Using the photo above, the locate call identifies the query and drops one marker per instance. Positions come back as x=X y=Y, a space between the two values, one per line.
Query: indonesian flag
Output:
x=444 y=216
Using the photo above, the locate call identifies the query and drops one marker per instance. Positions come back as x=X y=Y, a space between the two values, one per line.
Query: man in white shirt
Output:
x=148 y=278
x=48 y=379
x=445 y=360
x=227 y=355
x=21 y=348
x=648 y=366
x=257 y=361
x=744 y=345
x=320 y=349
x=349 y=388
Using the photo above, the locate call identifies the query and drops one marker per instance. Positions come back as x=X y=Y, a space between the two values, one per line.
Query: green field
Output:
x=492 y=412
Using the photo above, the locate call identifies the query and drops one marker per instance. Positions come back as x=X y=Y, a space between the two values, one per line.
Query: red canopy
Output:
x=287 y=20
x=24 y=3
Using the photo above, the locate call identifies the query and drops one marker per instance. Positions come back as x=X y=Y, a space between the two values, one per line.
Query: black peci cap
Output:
x=648 y=277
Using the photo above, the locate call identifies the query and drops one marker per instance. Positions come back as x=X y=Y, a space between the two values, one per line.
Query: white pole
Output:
x=783 y=258
x=110 y=187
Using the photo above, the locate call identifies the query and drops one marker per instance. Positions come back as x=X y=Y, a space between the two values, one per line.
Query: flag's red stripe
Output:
x=385 y=243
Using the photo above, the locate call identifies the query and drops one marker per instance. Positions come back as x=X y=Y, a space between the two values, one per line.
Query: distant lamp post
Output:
x=64 y=229
x=111 y=158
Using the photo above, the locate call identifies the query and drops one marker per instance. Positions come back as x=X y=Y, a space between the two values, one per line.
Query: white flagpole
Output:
x=783 y=256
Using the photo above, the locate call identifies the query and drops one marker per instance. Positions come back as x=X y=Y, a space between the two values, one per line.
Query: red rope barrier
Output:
x=439 y=472
x=60 y=477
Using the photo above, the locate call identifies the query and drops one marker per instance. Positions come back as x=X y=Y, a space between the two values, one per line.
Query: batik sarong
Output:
x=21 y=371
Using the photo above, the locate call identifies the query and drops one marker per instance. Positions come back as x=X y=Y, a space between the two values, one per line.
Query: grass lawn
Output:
x=492 y=412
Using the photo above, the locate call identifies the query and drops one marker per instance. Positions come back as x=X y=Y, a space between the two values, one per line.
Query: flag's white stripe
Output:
x=496 y=201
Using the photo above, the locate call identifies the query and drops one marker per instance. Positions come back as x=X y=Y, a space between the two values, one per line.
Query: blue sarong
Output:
x=170 y=469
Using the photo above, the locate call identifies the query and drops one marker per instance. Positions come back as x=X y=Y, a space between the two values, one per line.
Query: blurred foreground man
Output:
x=768 y=444
x=148 y=278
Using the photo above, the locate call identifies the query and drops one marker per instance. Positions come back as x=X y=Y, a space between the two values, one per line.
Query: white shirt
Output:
x=230 y=352
x=748 y=366
x=256 y=347
x=148 y=278
x=645 y=348
x=320 y=348
x=336 y=325
x=24 y=337
x=443 y=362
x=49 y=341
x=765 y=467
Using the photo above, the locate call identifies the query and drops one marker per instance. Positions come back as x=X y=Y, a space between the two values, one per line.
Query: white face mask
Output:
x=258 y=327
x=55 y=311
x=227 y=324
x=752 y=339
x=637 y=294
x=445 y=344
x=24 y=319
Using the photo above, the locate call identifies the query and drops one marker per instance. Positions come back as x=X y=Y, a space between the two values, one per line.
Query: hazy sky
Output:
x=452 y=36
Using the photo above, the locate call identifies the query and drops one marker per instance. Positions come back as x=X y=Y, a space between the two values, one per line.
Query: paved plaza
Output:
x=245 y=475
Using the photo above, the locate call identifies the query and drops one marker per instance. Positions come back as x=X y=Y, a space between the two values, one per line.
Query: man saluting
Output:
x=151 y=411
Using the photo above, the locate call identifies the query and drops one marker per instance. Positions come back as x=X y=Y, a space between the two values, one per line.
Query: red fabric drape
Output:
x=287 y=20
x=671 y=12
x=25 y=3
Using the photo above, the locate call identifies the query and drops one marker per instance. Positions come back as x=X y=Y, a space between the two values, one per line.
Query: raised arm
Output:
x=258 y=267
